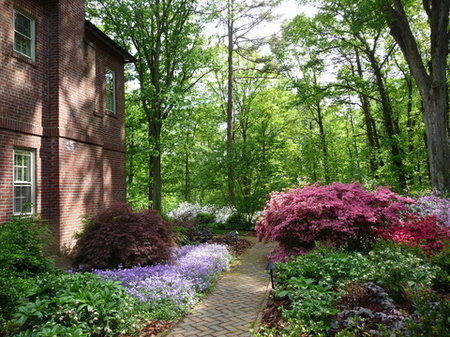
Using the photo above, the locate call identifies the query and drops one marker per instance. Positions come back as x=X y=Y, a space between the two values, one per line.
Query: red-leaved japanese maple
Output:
x=118 y=236
x=341 y=214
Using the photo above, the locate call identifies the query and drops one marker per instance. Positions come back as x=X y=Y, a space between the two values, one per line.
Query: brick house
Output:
x=62 y=119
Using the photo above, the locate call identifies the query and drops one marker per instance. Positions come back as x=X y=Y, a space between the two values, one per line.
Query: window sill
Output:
x=24 y=58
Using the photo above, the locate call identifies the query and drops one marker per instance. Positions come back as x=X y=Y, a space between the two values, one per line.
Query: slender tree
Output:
x=164 y=35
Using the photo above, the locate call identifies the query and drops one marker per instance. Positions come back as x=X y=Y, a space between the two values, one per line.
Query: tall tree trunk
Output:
x=389 y=121
x=369 y=121
x=323 y=144
x=432 y=84
x=155 y=187
x=230 y=170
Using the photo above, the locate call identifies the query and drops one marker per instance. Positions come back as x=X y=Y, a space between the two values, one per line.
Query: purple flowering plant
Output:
x=433 y=205
x=170 y=289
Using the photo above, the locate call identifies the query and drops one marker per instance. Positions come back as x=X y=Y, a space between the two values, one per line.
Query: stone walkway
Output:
x=235 y=304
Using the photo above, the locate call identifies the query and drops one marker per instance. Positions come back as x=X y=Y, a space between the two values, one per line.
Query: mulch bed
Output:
x=237 y=248
x=272 y=316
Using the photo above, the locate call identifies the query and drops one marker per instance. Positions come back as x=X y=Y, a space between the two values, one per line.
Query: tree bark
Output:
x=230 y=170
x=432 y=84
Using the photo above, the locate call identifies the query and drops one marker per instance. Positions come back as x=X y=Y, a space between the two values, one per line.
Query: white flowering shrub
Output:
x=187 y=212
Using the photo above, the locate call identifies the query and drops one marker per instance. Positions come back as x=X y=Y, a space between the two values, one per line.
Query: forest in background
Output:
x=223 y=111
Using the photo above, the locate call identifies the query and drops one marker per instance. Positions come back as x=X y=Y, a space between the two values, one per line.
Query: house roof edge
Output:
x=94 y=30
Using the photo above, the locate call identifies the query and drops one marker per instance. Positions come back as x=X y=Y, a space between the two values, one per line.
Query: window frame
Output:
x=31 y=38
x=110 y=91
x=24 y=175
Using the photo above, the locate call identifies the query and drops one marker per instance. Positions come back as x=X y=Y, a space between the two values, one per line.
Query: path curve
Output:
x=236 y=302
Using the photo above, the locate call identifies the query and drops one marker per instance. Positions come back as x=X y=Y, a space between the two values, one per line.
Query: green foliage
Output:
x=76 y=305
x=433 y=316
x=442 y=260
x=23 y=241
x=238 y=221
x=312 y=302
x=331 y=265
x=317 y=281
x=205 y=218
x=397 y=268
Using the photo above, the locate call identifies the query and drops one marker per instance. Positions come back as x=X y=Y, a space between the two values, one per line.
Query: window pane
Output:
x=22 y=44
x=23 y=34
x=22 y=199
x=110 y=94
x=24 y=189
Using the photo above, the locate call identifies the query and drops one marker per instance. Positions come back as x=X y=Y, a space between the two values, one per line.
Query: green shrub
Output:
x=76 y=305
x=442 y=260
x=332 y=265
x=205 y=218
x=23 y=242
x=119 y=236
x=432 y=317
x=399 y=267
x=238 y=221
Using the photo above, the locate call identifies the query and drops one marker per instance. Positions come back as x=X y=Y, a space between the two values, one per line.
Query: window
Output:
x=23 y=34
x=24 y=187
x=110 y=77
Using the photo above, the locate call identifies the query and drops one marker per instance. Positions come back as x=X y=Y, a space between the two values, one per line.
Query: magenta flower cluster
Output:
x=342 y=214
x=178 y=284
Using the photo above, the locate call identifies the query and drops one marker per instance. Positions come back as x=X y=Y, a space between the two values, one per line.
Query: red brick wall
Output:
x=55 y=105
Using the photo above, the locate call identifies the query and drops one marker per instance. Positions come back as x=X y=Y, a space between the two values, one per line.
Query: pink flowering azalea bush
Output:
x=341 y=214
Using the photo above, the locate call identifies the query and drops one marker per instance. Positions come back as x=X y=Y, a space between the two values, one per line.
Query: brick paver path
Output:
x=233 y=307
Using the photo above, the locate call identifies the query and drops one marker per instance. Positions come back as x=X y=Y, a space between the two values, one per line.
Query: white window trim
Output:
x=31 y=182
x=32 y=33
x=113 y=91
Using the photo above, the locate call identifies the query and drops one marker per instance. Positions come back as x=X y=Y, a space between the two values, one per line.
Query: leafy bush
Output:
x=76 y=305
x=432 y=316
x=238 y=221
x=343 y=214
x=442 y=260
x=205 y=218
x=398 y=268
x=346 y=293
x=424 y=232
x=23 y=242
x=119 y=236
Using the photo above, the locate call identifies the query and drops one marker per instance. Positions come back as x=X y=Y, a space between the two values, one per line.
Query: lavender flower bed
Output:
x=171 y=289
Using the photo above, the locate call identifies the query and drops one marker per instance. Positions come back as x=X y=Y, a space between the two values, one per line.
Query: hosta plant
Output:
x=341 y=214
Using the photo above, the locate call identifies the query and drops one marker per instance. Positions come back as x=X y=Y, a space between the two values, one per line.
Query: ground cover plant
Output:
x=396 y=286
x=120 y=301
x=170 y=289
x=153 y=279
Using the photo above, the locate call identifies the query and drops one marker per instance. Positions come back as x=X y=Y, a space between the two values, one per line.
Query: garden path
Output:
x=237 y=301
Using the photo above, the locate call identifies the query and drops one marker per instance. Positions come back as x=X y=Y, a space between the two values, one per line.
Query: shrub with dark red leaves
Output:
x=342 y=214
x=118 y=236
x=415 y=230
